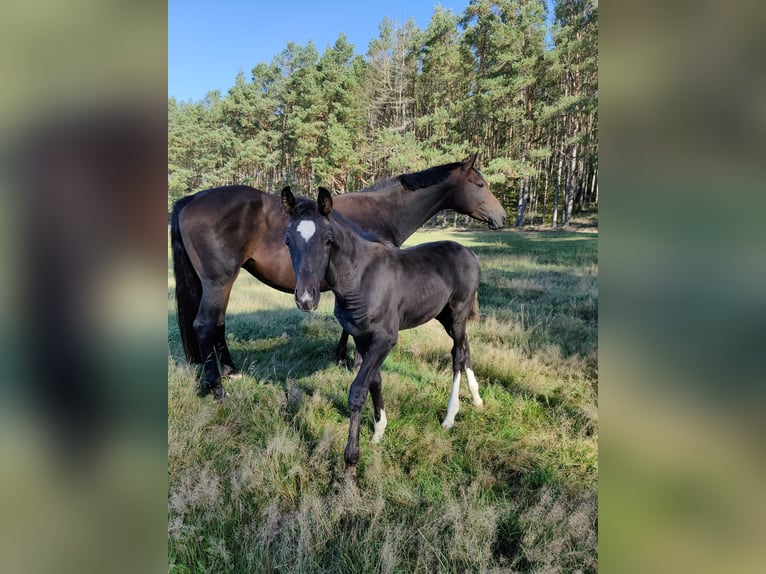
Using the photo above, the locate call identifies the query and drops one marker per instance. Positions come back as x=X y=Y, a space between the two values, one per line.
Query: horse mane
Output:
x=418 y=179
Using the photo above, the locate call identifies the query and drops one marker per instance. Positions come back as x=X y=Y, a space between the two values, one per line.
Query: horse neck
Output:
x=348 y=258
x=411 y=209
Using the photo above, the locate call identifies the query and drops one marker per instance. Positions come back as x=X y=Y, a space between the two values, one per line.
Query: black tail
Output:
x=188 y=286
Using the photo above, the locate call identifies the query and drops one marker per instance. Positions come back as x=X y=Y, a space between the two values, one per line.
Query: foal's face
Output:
x=308 y=237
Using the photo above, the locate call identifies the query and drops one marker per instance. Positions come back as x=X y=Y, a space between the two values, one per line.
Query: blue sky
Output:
x=209 y=42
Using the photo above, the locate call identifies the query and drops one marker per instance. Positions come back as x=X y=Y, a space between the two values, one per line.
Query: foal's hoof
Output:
x=220 y=396
x=446 y=425
x=478 y=404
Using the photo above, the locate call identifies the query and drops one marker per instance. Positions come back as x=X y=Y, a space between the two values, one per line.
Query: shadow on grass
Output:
x=273 y=346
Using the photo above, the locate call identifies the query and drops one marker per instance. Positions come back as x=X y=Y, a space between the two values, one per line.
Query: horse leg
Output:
x=209 y=325
x=373 y=355
x=379 y=413
x=459 y=352
x=222 y=350
x=473 y=385
x=341 y=351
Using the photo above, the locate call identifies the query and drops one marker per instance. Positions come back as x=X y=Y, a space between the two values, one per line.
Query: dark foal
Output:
x=380 y=290
x=217 y=232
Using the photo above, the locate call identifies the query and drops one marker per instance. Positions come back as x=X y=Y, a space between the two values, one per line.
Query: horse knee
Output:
x=356 y=401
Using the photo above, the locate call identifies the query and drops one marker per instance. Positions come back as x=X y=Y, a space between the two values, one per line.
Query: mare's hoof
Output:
x=221 y=396
x=446 y=425
x=479 y=404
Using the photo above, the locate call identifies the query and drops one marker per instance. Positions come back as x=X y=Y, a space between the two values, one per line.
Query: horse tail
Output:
x=188 y=286
x=474 y=308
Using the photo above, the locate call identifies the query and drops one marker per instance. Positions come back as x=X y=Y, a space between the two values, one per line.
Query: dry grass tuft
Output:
x=561 y=532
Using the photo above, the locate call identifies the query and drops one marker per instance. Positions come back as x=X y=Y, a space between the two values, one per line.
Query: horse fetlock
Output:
x=380 y=427
x=351 y=456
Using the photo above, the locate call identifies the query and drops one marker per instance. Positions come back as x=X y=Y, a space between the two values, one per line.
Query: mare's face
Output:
x=308 y=237
x=474 y=197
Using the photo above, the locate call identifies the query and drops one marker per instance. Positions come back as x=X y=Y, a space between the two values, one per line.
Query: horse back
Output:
x=424 y=280
x=454 y=263
x=222 y=227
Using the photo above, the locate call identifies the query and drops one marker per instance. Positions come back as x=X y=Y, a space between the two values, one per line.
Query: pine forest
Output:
x=514 y=80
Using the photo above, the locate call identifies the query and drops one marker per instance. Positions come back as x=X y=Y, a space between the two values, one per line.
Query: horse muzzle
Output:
x=494 y=217
x=307 y=299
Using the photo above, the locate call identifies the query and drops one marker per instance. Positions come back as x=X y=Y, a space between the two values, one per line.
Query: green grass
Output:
x=257 y=484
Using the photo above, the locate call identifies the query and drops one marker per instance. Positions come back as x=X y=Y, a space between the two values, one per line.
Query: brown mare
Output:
x=216 y=232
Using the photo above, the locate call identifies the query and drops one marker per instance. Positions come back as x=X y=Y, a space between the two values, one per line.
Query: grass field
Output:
x=257 y=484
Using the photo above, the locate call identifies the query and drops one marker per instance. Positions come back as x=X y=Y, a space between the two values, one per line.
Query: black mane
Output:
x=419 y=179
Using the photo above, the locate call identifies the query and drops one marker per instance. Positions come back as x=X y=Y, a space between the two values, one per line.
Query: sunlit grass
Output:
x=257 y=484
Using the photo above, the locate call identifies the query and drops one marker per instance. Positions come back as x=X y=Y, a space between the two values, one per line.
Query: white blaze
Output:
x=305 y=298
x=307 y=229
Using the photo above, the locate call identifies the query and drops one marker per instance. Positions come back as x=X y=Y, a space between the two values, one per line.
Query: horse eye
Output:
x=480 y=184
x=287 y=240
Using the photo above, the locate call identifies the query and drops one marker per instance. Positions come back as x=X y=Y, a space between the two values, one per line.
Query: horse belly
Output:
x=419 y=308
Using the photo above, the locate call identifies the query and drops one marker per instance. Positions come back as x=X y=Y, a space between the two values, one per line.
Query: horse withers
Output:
x=380 y=290
x=219 y=231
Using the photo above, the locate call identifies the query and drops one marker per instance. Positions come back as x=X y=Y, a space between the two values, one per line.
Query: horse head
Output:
x=472 y=196
x=308 y=237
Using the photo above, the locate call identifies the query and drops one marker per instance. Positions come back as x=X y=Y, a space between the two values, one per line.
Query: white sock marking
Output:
x=380 y=426
x=454 y=403
x=307 y=229
x=473 y=386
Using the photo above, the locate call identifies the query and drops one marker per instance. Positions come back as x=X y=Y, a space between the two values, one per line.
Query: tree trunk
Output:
x=558 y=188
x=570 y=187
x=522 y=204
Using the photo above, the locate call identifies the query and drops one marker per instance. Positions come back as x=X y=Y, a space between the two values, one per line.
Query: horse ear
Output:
x=324 y=201
x=288 y=200
x=468 y=164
